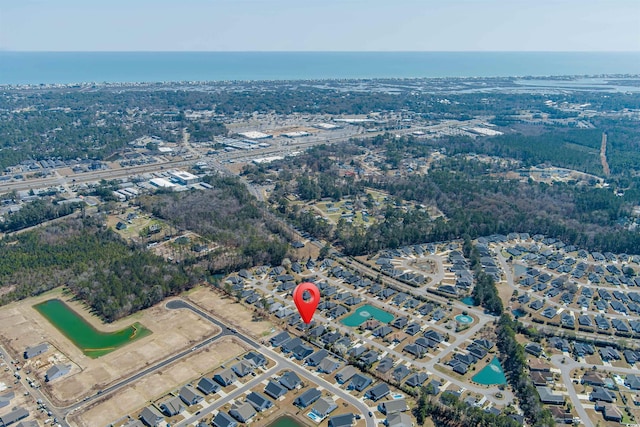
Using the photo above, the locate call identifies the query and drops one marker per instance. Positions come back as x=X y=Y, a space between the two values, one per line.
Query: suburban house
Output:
x=258 y=359
x=399 y=420
x=301 y=351
x=328 y=365
x=345 y=374
x=324 y=406
x=275 y=390
x=632 y=381
x=151 y=416
x=280 y=339
x=609 y=412
x=207 y=386
x=259 y=401
x=37 y=350
x=317 y=357
x=189 y=396
x=308 y=397
x=393 y=406
x=290 y=380
x=243 y=368
x=223 y=420
x=416 y=379
x=172 y=406
x=378 y=392
x=601 y=394
x=56 y=371
x=547 y=396
x=225 y=378
x=359 y=382
x=242 y=412
x=345 y=420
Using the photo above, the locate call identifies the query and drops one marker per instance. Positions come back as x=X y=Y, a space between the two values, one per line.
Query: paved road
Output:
x=176 y=304
x=281 y=363
x=566 y=365
x=93 y=176
x=460 y=338
x=35 y=393
x=429 y=365
x=173 y=304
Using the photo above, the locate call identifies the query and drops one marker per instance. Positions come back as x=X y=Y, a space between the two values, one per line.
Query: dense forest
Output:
x=228 y=216
x=472 y=194
x=36 y=212
x=515 y=364
x=451 y=412
x=113 y=278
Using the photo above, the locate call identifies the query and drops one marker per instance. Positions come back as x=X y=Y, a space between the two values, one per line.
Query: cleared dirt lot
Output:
x=230 y=311
x=134 y=397
x=172 y=331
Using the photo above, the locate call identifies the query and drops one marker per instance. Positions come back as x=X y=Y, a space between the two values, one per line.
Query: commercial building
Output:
x=255 y=135
x=161 y=183
x=298 y=134
x=183 y=178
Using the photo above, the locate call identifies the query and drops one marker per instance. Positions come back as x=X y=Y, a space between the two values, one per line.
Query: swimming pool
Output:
x=464 y=319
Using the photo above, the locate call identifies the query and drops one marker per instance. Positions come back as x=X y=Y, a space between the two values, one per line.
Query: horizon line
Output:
x=317 y=51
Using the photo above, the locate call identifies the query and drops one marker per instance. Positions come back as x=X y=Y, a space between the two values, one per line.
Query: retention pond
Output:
x=92 y=342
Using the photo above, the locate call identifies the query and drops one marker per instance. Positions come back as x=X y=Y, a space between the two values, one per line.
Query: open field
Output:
x=229 y=311
x=172 y=331
x=134 y=397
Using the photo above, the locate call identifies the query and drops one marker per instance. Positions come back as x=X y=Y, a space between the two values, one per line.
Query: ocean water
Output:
x=115 y=67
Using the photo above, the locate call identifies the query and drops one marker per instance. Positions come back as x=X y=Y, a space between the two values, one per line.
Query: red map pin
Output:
x=306 y=308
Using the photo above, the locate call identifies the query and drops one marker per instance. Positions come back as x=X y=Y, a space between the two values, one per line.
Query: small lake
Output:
x=92 y=342
x=492 y=374
x=286 y=422
x=365 y=313
x=469 y=301
x=518 y=312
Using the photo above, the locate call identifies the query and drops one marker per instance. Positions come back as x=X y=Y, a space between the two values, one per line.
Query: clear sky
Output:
x=330 y=25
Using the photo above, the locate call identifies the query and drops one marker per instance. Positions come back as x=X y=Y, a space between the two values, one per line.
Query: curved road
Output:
x=281 y=363
x=173 y=304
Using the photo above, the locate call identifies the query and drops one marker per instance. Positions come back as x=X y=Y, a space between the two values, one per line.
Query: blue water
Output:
x=468 y=301
x=76 y=67
x=518 y=312
x=464 y=319
x=491 y=374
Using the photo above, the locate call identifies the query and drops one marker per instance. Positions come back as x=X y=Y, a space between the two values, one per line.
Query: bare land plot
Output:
x=230 y=311
x=172 y=331
x=136 y=396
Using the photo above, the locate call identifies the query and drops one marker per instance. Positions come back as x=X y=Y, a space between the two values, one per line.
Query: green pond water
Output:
x=286 y=422
x=365 y=313
x=92 y=342
x=492 y=374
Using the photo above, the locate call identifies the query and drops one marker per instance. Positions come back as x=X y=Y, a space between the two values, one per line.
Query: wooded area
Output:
x=113 y=278
x=228 y=216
